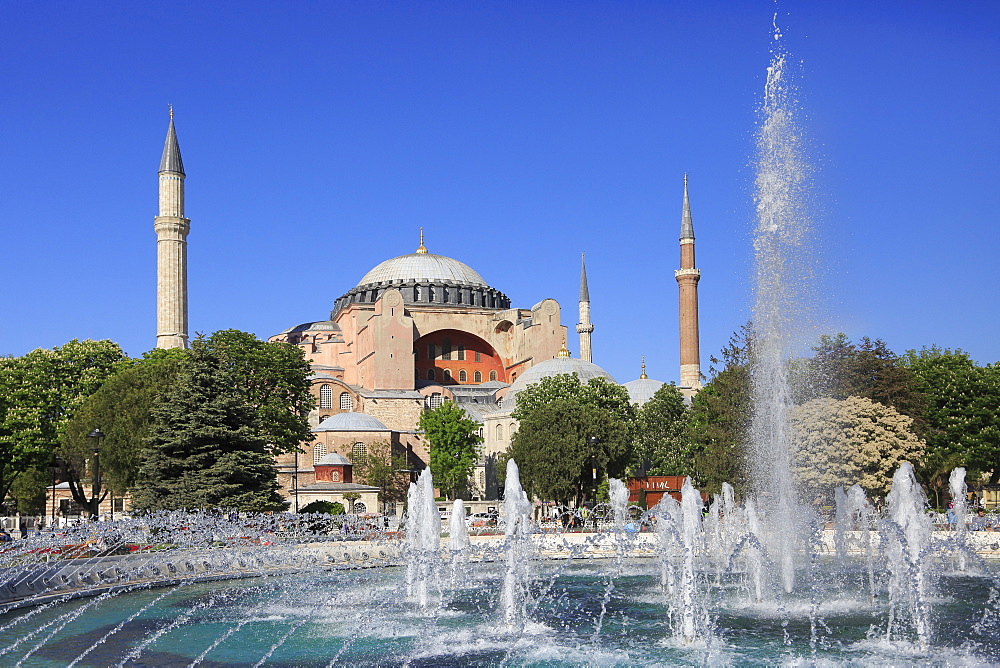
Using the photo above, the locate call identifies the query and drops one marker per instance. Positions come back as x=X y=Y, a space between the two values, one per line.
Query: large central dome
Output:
x=425 y=278
x=422 y=267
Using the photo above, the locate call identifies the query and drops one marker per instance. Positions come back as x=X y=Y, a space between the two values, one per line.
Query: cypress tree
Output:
x=206 y=450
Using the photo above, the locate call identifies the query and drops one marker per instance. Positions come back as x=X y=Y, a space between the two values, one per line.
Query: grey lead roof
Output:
x=171 y=160
x=687 y=225
x=584 y=291
x=426 y=266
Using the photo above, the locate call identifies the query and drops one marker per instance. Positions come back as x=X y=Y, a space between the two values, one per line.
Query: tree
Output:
x=206 y=448
x=454 y=446
x=719 y=418
x=122 y=410
x=962 y=422
x=380 y=468
x=841 y=369
x=662 y=446
x=274 y=381
x=555 y=454
x=600 y=393
x=325 y=507
x=38 y=394
x=850 y=441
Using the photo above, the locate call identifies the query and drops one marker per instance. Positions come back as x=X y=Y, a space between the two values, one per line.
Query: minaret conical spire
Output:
x=687 y=225
x=584 y=328
x=171 y=159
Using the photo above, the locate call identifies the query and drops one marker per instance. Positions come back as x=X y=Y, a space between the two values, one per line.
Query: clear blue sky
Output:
x=318 y=137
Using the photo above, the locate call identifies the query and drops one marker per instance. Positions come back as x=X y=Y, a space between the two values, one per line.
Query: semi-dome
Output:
x=559 y=365
x=425 y=278
x=422 y=267
x=351 y=421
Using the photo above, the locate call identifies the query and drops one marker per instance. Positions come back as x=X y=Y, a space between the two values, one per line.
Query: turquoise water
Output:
x=581 y=612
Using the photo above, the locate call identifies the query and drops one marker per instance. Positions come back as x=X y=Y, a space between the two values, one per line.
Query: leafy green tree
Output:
x=962 y=421
x=454 y=446
x=274 y=380
x=29 y=490
x=38 y=394
x=122 y=410
x=555 y=454
x=662 y=446
x=380 y=468
x=206 y=448
x=600 y=393
x=719 y=418
x=850 y=441
x=327 y=507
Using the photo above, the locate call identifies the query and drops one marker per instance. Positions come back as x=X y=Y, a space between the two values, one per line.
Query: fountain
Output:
x=757 y=582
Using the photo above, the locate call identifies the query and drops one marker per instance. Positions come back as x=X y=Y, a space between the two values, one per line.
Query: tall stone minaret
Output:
x=687 y=282
x=584 y=328
x=171 y=248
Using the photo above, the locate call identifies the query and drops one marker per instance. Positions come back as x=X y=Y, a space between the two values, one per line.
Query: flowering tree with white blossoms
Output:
x=851 y=441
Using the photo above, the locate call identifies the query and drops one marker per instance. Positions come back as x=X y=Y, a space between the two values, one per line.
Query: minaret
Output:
x=584 y=328
x=687 y=282
x=171 y=248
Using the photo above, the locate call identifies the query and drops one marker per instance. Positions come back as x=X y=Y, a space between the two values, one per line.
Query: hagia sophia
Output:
x=416 y=330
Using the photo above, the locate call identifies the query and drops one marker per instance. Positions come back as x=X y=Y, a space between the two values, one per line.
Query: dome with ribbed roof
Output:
x=424 y=278
x=583 y=369
x=422 y=267
x=642 y=390
x=351 y=421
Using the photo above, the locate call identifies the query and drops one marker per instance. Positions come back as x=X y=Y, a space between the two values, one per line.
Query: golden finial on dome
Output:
x=421 y=250
x=643 y=376
x=564 y=351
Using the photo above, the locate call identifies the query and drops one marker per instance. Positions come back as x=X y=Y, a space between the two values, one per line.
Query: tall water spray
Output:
x=781 y=308
x=423 y=538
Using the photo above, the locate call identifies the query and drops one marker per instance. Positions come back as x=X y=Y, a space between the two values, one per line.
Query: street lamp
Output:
x=56 y=466
x=95 y=491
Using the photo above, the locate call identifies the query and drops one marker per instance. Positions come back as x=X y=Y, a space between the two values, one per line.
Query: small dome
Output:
x=333 y=459
x=321 y=326
x=422 y=267
x=642 y=390
x=351 y=421
x=583 y=369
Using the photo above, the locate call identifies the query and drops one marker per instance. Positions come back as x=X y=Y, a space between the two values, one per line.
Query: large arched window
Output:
x=477 y=376
x=430 y=374
x=319 y=452
x=447 y=375
x=463 y=377
x=499 y=433
x=493 y=375
x=434 y=401
x=326 y=396
x=359 y=454
x=346 y=403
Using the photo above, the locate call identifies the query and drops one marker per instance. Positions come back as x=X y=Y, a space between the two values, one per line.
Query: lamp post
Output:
x=95 y=490
x=593 y=441
x=295 y=480
x=55 y=466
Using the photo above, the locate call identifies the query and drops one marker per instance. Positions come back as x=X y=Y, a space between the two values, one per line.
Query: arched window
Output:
x=499 y=402
x=461 y=352
x=359 y=454
x=430 y=374
x=463 y=377
x=479 y=356
x=326 y=396
x=477 y=376
x=447 y=375
x=434 y=401
x=493 y=375
x=480 y=432
x=319 y=452
x=499 y=433
x=360 y=508
x=346 y=403
x=335 y=476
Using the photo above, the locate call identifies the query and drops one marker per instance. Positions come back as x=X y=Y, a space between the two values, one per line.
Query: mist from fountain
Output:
x=423 y=539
